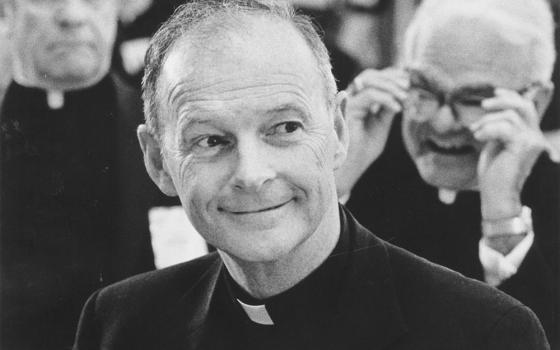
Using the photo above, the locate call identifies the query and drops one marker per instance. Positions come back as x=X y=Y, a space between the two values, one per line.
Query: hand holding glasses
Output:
x=424 y=102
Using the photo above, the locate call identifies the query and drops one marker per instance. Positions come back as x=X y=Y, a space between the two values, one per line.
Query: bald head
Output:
x=213 y=21
x=478 y=30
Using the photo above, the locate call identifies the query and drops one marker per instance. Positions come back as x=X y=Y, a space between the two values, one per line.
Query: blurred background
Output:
x=360 y=34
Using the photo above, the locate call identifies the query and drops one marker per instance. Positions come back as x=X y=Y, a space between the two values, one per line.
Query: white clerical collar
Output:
x=447 y=196
x=257 y=313
x=55 y=99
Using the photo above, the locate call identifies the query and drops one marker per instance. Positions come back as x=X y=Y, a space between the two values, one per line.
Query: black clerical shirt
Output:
x=305 y=317
x=60 y=210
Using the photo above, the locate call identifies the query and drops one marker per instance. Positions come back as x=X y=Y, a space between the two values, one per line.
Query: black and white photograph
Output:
x=279 y=174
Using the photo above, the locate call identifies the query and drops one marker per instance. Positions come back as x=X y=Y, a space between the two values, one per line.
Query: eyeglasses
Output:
x=423 y=103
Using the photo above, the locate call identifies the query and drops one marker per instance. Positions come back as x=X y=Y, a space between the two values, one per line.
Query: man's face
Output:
x=62 y=44
x=249 y=142
x=465 y=61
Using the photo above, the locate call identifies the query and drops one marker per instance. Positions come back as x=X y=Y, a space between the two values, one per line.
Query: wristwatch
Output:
x=517 y=225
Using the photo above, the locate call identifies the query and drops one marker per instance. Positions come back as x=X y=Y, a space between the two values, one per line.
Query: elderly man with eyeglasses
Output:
x=446 y=156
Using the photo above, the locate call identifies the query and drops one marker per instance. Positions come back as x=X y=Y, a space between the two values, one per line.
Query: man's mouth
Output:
x=255 y=210
x=71 y=44
x=450 y=147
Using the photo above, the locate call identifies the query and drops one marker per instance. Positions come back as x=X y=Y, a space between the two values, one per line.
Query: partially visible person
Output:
x=244 y=124
x=74 y=196
x=447 y=158
x=5 y=61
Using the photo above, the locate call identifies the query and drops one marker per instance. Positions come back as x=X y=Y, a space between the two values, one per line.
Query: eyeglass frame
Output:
x=450 y=98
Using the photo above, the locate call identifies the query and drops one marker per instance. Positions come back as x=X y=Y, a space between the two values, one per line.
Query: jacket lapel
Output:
x=198 y=302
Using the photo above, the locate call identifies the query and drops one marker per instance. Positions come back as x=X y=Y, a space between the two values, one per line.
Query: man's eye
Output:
x=287 y=128
x=471 y=101
x=211 y=142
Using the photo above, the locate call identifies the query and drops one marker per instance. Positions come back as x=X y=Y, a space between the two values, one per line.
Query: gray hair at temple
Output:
x=527 y=23
x=200 y=21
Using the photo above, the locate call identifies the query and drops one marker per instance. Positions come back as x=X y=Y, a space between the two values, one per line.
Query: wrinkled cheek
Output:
x=315 y=168
x=316 y=152
x=184 y=178
x=200 y=187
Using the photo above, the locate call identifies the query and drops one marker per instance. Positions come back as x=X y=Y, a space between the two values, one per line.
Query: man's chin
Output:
x=456 y=177
x=266 y=252
x=75 y=76
x=76 y=83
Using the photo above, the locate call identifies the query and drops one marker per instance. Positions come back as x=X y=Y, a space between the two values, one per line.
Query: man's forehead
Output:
x=270 y=53
x=474 y=50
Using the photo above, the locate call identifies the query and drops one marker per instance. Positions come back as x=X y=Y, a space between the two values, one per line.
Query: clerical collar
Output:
x=317 y=295
x=447 y=196
x=58 y=100
x=257 y=313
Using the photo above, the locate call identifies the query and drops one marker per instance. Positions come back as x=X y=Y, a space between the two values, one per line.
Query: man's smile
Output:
x=245 y=211
x=450 y=147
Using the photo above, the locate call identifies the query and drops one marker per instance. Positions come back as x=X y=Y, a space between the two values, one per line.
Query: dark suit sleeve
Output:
x=536 y=283
x=520 y=329
x=88 y=333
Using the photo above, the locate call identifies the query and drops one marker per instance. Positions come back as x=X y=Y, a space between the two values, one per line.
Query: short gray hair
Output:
x=192 y=17
x=530 y=18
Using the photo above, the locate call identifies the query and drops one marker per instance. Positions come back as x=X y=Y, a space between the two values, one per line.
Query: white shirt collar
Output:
x=257 y=313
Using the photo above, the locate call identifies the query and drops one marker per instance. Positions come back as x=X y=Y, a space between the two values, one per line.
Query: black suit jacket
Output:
x=75 y=199
x=391 y=300
x=392 y=199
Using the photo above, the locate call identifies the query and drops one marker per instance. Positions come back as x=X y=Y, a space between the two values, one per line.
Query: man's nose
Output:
x=71 y=13
x=253 y=168
x=445 y=120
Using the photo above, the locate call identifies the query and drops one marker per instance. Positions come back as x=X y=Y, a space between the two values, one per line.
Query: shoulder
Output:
x=165 y=285
x=436 y=298
x=143 y=310
x=416 y=272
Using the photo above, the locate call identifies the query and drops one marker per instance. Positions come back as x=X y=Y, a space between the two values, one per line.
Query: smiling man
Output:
x=461 y=167
x=243 y=123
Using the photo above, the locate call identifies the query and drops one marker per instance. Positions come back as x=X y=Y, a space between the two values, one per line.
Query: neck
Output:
x=265 y=279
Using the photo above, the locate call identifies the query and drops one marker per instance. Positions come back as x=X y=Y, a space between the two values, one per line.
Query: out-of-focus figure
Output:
x=5 y=61
x=447 y=158
x=74 y=195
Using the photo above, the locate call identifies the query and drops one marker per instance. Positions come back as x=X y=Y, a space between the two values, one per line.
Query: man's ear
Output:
x=341 y=130
x=543 y=97
x=154 y=162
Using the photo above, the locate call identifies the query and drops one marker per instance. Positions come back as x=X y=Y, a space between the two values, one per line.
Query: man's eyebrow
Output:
x=191 y=116
x=423 y=80
x=288 y=107
x=197 y=115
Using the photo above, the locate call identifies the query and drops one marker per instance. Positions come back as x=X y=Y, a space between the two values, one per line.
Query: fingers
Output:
x=378 y=100
x=511 y=100
x=553 y=152
x=377 y=93
x=508 y=128
x=502 y=126
x=391 y=81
